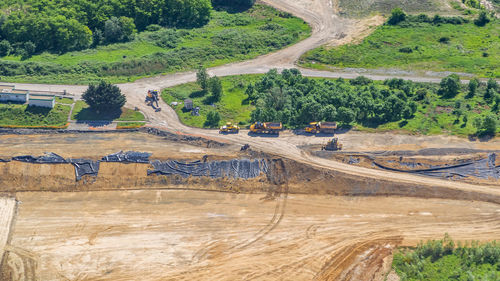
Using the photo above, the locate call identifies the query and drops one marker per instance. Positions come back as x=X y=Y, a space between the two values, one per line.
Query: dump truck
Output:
x=332 y=145
x=321 y=127
x=229 y=128
x=266 y=127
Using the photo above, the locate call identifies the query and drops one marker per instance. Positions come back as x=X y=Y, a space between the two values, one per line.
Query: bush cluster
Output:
x=295 y=100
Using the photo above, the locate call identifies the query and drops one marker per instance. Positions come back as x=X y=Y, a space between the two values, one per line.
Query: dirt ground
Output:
x=7 y=212
x=181 y=235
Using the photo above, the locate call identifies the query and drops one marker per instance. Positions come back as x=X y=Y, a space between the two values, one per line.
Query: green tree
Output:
x=492 y=85
x=473 y=85
x=186 y=13
x=345 y=115
x=104 y=97
x=486 y=125
x=215 y=86
x=5 y=48
x=128 y=28
x=397 y=16
x=202 y=78
x=235 y=3
x=449 y=86
x=213 y=119
x=113 y=30
x=29 y=50
x=482 y=19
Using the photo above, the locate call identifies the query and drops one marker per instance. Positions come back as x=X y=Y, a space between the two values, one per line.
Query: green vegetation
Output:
x=82 y=112
x=233 y=105
x=227 y=37
x=104 y=97
x=33 y=116
x=129 y=125
x=420 y=43
x=64 y=100
x=363 y=8
x=447 y=260
x=391 y=105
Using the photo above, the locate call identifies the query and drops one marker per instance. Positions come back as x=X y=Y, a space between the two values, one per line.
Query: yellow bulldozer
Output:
x=332 y=145
x=229 y=128
x=321 y=127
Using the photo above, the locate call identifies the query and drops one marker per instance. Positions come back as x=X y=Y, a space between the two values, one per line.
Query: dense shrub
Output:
x=62 y=26
x=296 y=100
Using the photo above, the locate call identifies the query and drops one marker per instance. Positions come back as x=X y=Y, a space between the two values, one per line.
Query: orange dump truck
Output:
x=266 y=127
x=321 y=127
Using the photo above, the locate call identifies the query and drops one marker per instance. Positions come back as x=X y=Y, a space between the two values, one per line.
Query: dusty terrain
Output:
x=313 y=219
x=180 y=235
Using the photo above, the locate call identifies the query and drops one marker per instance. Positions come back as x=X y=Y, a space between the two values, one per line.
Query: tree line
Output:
x=295 y=100
x=31 y=26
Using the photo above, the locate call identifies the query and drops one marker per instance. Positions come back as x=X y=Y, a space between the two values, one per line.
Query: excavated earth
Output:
x=294 y=219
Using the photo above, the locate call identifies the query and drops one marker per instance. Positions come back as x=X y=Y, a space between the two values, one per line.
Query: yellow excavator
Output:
x=332 y=145
x=321 y=127
x=229 y=128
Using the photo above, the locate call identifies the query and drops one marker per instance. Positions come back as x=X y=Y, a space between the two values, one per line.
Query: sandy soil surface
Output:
x=176 y=235
x=7 y=211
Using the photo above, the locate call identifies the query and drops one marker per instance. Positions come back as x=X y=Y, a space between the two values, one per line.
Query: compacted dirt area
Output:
x=195 y=235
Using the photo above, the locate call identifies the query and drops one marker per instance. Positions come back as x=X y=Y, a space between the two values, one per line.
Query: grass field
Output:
x=361 y=8
x=82 y=112
x=232 y=106
x=24 y=115
x=228 y=37
x=469 y=49
x=64 y=100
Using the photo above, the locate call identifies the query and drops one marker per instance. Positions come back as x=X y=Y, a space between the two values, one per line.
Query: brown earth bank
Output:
x=197 y=235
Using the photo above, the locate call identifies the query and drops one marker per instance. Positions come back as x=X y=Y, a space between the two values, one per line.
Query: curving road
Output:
x=327 y=27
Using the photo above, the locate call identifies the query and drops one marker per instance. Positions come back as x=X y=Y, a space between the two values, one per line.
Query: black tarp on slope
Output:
x=128 y=157
x=84 y=167
x=236 y=168
x=48 y=158
x=484 y=169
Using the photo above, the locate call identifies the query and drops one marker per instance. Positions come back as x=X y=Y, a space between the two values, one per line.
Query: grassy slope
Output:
x=81 y=112
x=22 y=115
x=464 y=52
x=141 y=47
x=231 y=107
x=433 y=116
x=437 y=118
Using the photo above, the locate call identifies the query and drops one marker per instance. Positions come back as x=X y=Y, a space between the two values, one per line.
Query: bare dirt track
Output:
x=180 y=235
x=301 y=226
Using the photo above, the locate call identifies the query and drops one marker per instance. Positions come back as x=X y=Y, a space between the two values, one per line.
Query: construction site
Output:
x=171 y=202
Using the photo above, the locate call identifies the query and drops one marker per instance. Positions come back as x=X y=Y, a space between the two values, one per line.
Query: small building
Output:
x=188 y=104
x=42 y=101
x=10 y=94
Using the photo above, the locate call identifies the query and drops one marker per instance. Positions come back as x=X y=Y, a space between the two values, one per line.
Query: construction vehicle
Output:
x=266 y=127
x=229 y=128
x=332 y=145
x=321 y=127
x=152 y=98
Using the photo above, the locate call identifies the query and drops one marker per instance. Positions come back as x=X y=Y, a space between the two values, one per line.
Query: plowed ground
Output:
x=195 y=235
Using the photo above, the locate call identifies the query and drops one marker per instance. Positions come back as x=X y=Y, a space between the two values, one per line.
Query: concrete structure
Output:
x=42 y=101
x=34 y=98
x=10 y=94
x=188 y=104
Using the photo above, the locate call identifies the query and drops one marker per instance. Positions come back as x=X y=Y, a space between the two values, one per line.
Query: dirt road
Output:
x=326 y=25
x=176 y=235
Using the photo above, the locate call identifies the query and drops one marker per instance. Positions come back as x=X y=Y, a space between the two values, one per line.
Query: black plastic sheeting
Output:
x=4 y=160
x=484 y=169
x=48 y=158
x=84 y=167
x=128 y=157
x=237 y=168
